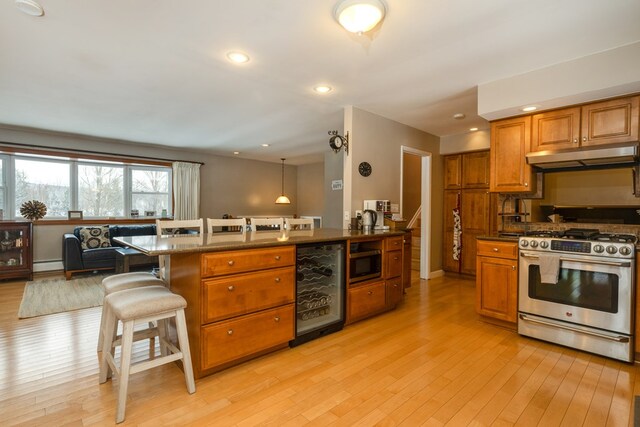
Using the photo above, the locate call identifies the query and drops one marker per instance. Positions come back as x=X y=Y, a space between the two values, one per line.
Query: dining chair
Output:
x=298 y=223
x=230 y=224
x=268 y=224
x=176 y=227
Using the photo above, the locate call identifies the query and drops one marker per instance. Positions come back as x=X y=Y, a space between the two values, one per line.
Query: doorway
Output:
x=415 y=170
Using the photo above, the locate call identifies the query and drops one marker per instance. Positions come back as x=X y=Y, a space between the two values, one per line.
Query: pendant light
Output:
x=282 y=200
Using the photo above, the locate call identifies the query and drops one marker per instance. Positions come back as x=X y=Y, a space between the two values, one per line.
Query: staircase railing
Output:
x=415 y=217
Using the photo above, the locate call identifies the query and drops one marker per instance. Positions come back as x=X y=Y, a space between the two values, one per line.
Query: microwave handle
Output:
x=364 y=254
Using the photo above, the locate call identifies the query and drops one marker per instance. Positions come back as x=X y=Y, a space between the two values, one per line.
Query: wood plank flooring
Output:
x=431 y=362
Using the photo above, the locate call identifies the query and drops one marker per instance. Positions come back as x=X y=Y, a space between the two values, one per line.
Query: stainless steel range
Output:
x=576 y=289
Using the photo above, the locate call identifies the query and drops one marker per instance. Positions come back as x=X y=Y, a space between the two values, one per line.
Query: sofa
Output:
x=92 y=248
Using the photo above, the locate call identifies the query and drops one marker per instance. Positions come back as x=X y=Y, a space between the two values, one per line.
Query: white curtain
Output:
x=186 y=190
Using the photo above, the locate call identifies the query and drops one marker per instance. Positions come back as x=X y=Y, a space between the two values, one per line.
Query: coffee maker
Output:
x=380 y=207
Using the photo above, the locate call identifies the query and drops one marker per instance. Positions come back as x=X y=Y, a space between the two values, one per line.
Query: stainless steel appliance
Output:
x=380 y=207
x=320 y=290
x=365 y=262
x=590 y=305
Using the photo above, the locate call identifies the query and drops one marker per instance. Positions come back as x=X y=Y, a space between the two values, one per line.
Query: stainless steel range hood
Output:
x=582 y=158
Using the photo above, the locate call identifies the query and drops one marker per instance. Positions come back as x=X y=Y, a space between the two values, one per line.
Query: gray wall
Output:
x=333 y=170
x=311 y=179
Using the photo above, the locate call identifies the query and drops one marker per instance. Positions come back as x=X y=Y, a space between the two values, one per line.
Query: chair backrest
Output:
x=298 y=223
x=174 y=225
x=267 y=224
x=232 y=224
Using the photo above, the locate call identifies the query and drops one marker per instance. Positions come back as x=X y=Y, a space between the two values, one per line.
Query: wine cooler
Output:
x=320 y=290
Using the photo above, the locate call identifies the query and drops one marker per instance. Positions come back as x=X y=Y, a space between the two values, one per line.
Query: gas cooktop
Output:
x=583 y=234
x=580 y=240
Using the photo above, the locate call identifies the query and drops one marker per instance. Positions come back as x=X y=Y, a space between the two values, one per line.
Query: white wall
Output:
x=602 y=75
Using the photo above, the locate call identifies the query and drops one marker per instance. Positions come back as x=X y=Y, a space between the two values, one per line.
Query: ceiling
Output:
x=155 y=71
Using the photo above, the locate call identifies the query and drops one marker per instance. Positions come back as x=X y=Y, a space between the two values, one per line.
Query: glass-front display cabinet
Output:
x=16 y=250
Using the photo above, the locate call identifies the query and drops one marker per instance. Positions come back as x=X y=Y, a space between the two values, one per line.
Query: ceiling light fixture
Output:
x=529 y=108
x=359 y=16
x=264 y=145
x=238 y=57
x=29 y=7
x=323 y=89
x=282 y=199
x=459 y=116
x=236 y=152
x=473 y=129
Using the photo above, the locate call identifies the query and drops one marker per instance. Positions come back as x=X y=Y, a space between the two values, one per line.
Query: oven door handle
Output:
x=609 y=263
x=569 y=328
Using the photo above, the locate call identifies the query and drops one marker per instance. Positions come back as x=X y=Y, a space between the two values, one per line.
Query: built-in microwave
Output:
x=364 y=264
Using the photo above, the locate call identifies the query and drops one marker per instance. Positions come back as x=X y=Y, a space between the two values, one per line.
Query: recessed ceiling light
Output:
x=323 y=89
x=459 y=116
x=236 y=152
x=473 y=129
x=29 y=7
x=529 y=108
x=238 y=57
x=265 y=145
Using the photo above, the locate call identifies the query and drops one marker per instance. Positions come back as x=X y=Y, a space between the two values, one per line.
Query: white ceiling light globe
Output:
x=359 y=16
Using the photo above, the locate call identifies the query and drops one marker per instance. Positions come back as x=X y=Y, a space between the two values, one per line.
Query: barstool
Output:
x=143 y=305
x=121 y=282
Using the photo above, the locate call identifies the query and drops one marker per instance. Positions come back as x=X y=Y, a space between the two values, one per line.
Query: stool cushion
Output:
x=121 y=282
x=137 y=303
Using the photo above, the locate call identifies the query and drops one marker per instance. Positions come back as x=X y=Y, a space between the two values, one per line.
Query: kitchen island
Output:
x=241 y=288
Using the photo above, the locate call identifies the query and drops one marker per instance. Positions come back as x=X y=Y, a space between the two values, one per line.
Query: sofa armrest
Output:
x=71 y=253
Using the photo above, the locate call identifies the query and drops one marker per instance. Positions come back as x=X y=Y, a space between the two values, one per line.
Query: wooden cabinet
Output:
x=497 y=280
x=601 y=123
x=394 y=292
x=16 y=250
x=475 y=170
x=366 y=300
x=453 y=172
x=610 y=122
x=406 y=260
x=475 y=211
x=510 y=142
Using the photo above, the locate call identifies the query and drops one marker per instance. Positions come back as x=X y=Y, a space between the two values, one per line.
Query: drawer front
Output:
x=393 y=243
x=393 y=264
x=234 y=295
x=366 y=300
x=229 y=340
x=497 y=249
x=221 y=263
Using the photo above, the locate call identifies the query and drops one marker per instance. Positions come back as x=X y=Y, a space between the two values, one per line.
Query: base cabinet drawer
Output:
x=392 y=264
x=231 y=262
x=365 y=301
x=239 y=294
x=226 y=341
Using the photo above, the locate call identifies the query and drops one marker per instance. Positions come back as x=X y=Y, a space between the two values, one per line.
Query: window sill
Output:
x=46 y=222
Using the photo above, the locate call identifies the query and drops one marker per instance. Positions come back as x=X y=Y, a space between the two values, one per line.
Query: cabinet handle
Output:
x=495 y=249
x=277 y=280
x=513 y=267
x=575 y=140
x=231 y=262
x=277 y=257
x=231 y=288
x=584 y=139
x=370 y=293
x=276 y=319
x=526 y=184
x=230 y=332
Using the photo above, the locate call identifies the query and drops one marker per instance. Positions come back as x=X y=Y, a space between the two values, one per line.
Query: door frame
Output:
x=425 y=203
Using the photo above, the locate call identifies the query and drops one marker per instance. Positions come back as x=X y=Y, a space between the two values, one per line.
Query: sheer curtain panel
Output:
x=186 y=190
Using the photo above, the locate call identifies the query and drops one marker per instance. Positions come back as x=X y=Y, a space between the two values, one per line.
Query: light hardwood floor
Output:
x=430 y=362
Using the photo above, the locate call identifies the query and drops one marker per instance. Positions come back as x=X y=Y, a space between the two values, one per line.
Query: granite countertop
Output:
x=215 y=242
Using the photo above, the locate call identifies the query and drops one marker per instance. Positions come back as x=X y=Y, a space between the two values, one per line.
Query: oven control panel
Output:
x=600 y=249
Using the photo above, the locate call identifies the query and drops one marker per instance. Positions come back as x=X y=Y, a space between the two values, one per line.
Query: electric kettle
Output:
x=369 y=219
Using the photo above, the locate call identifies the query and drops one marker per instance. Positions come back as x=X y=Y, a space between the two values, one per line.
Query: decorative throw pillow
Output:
x=94 y=237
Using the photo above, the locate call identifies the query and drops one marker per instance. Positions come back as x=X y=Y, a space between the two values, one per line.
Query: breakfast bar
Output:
x=241 y=287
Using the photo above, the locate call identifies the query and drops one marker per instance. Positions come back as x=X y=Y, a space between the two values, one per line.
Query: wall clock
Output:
x=364 y=168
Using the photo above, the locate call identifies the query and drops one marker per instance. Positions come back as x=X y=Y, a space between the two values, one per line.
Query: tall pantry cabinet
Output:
x=468 y=209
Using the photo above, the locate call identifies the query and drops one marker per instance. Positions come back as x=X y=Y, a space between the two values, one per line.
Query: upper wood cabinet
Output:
x=610 y=122
x=556 y=130
x=475 y=170
x=510 y=142
x=453 y=172
x=601 y=123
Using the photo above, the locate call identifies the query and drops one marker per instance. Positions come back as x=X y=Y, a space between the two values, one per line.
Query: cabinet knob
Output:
x=370 y=293
x=526 y=184
x=230 y=332
x=276 y=319
x=584 y=139
x=231 y=288
x=277 y=280
x=495 y=249
x=575 y=140
x=395 y=258
x=513 y=267
x=231 y=262
x=277 y=257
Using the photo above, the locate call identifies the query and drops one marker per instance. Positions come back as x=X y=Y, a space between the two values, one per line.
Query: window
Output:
x=100 y=189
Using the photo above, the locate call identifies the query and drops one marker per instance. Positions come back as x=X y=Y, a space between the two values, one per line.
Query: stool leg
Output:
x=125 y=366
x=111 y=323
x=183 y=340
x=101 y=330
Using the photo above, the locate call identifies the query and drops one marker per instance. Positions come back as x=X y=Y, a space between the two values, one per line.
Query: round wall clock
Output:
x=364 y=169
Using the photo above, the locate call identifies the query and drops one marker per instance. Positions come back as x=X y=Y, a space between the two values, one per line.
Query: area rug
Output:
x=57 y=295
